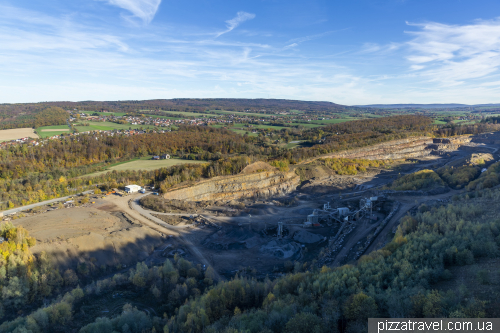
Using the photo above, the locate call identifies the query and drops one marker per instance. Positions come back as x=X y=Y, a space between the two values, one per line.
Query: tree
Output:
x=304 y=323
x=70 y=277
x=360 y=307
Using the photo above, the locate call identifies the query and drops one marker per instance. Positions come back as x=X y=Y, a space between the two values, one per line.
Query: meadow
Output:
x=107 y=126
x=145 y=163
x=48 y=131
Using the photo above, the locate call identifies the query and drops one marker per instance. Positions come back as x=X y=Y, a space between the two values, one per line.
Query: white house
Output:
x=132 y=188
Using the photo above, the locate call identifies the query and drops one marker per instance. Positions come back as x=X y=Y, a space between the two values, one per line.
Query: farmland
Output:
x=48 y=131
x=145 y=163
x=106 y=126
x=17 y=133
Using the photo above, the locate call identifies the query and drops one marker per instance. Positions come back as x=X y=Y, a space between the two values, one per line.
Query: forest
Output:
x=19 y=117
x=396 y=281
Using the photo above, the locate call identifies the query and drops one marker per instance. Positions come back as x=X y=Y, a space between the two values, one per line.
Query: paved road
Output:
x=28 y=207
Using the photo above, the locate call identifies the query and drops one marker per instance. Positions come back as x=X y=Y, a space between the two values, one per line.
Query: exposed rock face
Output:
x=396 y=149
x=261 y=184
x=404 y=148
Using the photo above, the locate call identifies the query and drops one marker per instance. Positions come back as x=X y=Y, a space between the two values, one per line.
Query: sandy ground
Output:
x=72 y=235
x=17 y=133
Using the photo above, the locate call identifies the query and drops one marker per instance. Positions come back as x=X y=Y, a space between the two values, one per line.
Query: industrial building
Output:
x=132 y=188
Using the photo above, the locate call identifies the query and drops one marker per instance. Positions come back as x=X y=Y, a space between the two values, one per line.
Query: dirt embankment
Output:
x=256 y=181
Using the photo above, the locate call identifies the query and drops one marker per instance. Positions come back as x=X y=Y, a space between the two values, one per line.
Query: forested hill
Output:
x=204 y=104
x=10 y=111
x=29 y=115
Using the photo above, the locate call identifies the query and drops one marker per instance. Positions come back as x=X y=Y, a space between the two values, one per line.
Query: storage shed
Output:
x=132 y=188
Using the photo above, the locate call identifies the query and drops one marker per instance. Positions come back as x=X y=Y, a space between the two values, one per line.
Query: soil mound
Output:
x=314 y=171
x=280 y=251
x=233 y=239
x=263 y=209
x=303 y=236
x=258 y=167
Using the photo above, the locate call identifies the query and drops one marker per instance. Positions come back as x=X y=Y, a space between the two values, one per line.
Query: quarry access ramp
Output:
x=130 y=206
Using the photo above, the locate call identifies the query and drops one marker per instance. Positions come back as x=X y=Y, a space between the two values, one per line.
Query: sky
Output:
x=353 y=52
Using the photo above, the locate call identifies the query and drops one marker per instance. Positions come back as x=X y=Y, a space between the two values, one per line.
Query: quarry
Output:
x=263 y=221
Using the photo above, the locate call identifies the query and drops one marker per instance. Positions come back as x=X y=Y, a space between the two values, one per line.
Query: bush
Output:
x=483 y=276
x=421 y=180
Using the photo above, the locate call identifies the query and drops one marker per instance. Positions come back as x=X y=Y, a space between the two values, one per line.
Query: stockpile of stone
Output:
x=378 y=230
x=335 y=244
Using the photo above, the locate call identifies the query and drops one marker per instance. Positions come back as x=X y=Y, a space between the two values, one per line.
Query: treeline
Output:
x=394 y=282
x=452 y=129
x=31 y=117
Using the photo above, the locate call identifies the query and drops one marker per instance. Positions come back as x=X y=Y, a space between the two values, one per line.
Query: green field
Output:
x=44 y=134
x=188 y=114
x=243 y=113
x=118 y=114
x=145 y=163
x=108 y=126
x=439 y=122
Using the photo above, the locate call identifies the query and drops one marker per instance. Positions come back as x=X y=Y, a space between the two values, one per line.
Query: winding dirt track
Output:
x=156 y=224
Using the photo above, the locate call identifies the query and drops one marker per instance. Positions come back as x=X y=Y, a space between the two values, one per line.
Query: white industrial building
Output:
x=132 y=188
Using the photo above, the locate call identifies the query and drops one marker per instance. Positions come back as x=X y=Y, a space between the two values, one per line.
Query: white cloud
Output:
x=235 y=22
x=142 y=9
x=454 y=54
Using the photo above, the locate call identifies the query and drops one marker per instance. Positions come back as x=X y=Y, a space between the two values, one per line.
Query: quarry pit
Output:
x=232 y=223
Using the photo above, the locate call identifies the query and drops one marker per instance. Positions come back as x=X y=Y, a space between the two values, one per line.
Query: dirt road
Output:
x=147 y=219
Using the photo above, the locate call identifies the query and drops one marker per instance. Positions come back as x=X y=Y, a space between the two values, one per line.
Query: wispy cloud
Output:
x=311 y=37
x=379 y=48
x=235 y=22
x=142 y=9
x=453 y=54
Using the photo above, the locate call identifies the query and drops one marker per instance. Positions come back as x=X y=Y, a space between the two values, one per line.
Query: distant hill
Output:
x=425 y=106
x=204 y=104
x=24 y=114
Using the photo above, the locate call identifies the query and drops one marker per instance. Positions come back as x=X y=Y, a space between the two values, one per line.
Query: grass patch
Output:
x=117 y=114
x=108 y=126
x=49 y=134
x=144 y=163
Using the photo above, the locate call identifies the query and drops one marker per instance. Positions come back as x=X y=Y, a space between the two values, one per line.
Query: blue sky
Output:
x=347 y=52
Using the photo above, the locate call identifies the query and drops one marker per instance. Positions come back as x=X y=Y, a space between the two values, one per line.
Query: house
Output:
x=165 y=157
x=156 y=157
x=132 y=188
